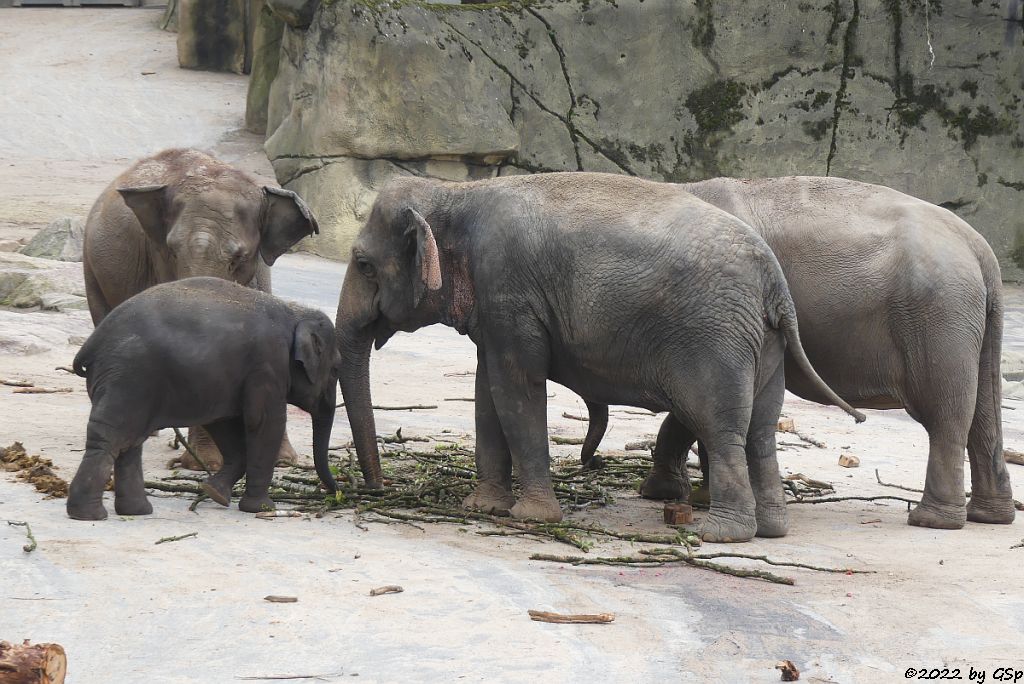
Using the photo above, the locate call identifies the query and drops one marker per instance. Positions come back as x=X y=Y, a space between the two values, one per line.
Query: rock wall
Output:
x=921 y=95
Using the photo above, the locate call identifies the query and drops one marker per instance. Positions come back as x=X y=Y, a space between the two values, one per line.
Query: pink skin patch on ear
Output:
x=431 y=266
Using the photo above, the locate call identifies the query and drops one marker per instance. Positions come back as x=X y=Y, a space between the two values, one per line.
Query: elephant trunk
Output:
x=323 y=422
x=355 y=337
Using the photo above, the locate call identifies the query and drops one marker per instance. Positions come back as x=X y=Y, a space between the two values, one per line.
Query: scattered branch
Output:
x=165 y=540
x=66 y=369
x=17 y=383
x=570 y=416
x=410 y=407
x=566 y=440
x=896 y=486
x=41 y=390
x=387 y=589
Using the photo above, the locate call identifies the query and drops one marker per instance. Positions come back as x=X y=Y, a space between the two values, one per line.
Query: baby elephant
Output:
x=202 y=351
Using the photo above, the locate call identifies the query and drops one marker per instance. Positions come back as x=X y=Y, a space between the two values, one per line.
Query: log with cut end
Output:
x=32 y=664
x=565 y=619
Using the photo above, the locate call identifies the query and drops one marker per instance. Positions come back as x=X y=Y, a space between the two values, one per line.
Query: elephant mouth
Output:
x=382 y=332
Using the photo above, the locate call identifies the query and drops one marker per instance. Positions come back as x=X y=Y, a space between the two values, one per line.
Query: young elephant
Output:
x=900 y=302
x=201 y=351
x=585 y=279
x=179 y=214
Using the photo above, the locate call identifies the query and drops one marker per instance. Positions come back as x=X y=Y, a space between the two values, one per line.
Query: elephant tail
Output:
x=785 y=312
x=83 y=358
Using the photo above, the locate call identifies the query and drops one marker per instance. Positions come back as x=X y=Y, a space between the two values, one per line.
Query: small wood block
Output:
x=678 y=514
x=849 y=461
x=786 y=425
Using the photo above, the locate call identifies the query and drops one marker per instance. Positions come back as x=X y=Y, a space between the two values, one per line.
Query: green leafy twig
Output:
x=31 y=545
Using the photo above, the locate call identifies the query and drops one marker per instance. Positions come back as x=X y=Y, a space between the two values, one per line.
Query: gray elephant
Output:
x=585 y=279
x=900 y=306
x=202 y=351
x=183 y=213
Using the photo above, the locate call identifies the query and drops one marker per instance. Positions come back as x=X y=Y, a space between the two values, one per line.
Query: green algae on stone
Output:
x=716 y=106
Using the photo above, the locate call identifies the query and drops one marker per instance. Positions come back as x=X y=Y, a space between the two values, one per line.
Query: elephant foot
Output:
x=720 y=528
x=595 y=462
x=132 y=506
x=256 y=504
x=218 y=490
x=286 y=456
x=772 y=520
x=937 y=516
x=80 y=510
x=701 y=497
x=659 y=485
x=541 y=506
x=995 y=510
x=204 y=447
x=490 y=498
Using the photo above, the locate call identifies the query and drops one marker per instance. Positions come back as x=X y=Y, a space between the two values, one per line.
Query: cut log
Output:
x=28 y=664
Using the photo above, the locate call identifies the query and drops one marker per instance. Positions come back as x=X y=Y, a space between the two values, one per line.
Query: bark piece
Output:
x=32 y=664
x=572 y=619
x=1014 y=457
x=786 y=425
x=281 y=599
x=387 y=589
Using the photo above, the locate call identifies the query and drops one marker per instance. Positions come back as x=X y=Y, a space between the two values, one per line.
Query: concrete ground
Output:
x=76 y=109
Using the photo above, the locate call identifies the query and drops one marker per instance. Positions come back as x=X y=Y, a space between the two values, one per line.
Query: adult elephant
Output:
x=900 y=307
x=588 y=280
x=183 y=213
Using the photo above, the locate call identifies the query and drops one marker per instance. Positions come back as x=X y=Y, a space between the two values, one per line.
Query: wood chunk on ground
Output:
x=387 y=589
x=1014 y=457
x=849 y=461
x=786 y=425
x=32 y=664
x=678 y=514
x=789 y=671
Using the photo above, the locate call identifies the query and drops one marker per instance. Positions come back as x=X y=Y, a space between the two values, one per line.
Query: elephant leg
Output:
x=85 y=494
x=201 y=443
x=263 y=433
x=946 y=415
x=518 y=389
x=493 y=492
x=129 y=484
x=286 y=454
x=230 y=438
x=667 y=478
x=701 y=496
x=762 y=461
x=991 y=494
x=732 y=515
x=596 y=427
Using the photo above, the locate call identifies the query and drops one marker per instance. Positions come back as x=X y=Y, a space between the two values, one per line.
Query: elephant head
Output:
x=315 y=365
x=218 y=224
x=395 y=281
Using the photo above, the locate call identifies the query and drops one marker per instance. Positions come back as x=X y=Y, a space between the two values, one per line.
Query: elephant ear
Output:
x=428 y=263
x=150 y=204
x=309 y=349
x=286 y=220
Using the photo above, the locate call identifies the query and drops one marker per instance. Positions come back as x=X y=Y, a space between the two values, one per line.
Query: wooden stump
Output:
x=28 y=664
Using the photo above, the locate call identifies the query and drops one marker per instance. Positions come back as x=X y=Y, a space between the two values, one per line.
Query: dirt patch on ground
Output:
x=33 y=469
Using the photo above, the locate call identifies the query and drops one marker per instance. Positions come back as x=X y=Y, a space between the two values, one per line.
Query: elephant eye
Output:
x=366 y=268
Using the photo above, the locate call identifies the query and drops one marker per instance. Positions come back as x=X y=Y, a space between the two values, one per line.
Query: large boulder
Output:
x=920 y=96
x=61 y=240
x=265 y=57
x=217 y=35
x=28 y=282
